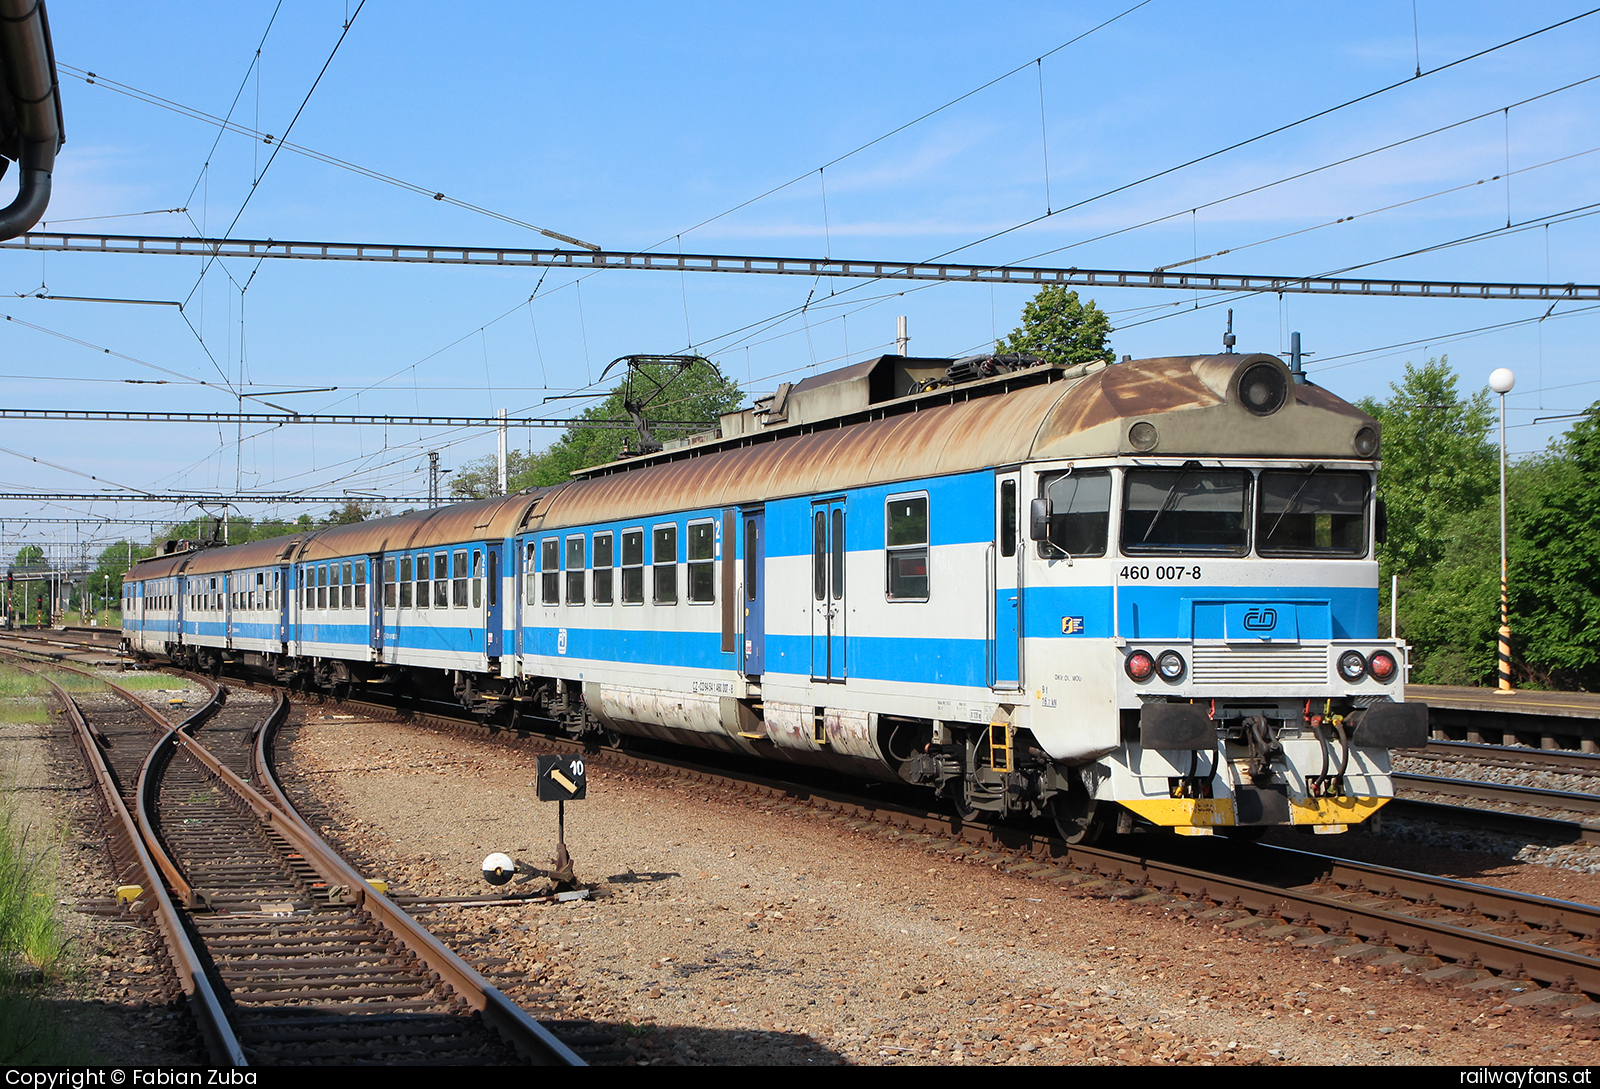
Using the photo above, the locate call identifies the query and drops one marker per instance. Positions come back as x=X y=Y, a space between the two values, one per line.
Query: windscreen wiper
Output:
x=1167 y=500
x=1293 y=500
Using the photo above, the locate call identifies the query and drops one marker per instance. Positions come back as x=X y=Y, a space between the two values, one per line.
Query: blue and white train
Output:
x=1127 y=595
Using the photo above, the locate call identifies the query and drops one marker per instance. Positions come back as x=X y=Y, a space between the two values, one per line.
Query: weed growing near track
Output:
x=32 y=942
x=144 y=682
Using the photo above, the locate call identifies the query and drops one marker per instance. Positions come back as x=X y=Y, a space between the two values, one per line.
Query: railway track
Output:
x=1515 y=757
x=1527 y=950
x=285 y=953
x=1535 y=950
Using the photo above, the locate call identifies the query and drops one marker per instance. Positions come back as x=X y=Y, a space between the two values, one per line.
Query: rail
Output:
x=204 y=1002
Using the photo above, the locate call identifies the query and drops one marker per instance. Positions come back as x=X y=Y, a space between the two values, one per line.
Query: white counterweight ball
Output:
x=498 y=868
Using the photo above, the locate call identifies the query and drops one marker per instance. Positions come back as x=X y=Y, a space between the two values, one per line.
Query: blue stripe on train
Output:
x=1197 y=612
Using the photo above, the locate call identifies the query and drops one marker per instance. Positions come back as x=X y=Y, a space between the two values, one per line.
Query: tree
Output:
x=1555 y=559
x=354 y=511
x=480 y=478
x=1056 y=326
x=700 y=393
x=105 y=581
x=1438 y=483
x=1438 y=462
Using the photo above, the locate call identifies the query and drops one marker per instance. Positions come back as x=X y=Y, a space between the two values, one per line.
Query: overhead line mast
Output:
x=799 y=266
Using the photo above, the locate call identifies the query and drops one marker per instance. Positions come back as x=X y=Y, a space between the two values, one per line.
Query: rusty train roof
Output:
x=485 y=519
x=1192 y=403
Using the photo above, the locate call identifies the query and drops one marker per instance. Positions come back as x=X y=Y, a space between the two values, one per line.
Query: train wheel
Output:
x=961 y=798
x=1076 y=816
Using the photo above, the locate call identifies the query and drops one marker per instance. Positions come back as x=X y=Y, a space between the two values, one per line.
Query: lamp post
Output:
x=1501 y=382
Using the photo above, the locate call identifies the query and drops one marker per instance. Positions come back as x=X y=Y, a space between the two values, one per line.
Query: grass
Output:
x=32 y=944
x=15 y=684
x=144 y=682
x=22 y=698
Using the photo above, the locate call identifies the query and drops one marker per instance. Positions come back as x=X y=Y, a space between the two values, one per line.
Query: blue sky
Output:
x=629 y=125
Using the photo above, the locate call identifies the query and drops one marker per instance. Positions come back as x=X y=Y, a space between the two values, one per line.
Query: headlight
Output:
x=1170 y=665
x=1262 y=389
x=1382 y=666
x=1352 y=666
x=1139 y=665
x=1365 y=442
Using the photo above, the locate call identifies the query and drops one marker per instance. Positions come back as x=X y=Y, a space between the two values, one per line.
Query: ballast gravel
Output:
x=731 y=931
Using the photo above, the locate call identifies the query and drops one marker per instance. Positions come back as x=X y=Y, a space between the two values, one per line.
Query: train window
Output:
x=603 y=560
x=361 y=584
x=664 y=557
x=819 y=554
x=838 y=553
x=1008 y=518
x=702 y=566
x=424 y=587
x=347 y=591
x=458 y=585
x=494 y=577
x=441 y=580
x=405 y=582
x=389 y=595
x=322 y=587
x=550 y=570
x=529 y=575
x=1188 y=509
x=576 y=563
x=1311 y=512
x=1080 y=513
x=633 y=567
x=335 y=584
x=308 y=578
x=751 y=568
x=906 y=538
x=477 y=579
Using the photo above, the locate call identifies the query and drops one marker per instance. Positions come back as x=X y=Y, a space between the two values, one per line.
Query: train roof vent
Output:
x=850 y=389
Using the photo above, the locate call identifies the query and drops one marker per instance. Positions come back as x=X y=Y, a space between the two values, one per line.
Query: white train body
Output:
x=1150 y=585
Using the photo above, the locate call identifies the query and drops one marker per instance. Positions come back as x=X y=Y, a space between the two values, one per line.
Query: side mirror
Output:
x=1039 y=520
x=1381 y=526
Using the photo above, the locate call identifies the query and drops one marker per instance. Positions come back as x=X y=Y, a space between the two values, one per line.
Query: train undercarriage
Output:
x=991 y=771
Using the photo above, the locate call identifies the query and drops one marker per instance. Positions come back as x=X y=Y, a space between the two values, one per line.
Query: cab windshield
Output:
x=1187 y=509
x=1312 y=512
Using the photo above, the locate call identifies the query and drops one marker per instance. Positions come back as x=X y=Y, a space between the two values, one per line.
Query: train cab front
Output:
x=1215 y=578
x=1212 y=741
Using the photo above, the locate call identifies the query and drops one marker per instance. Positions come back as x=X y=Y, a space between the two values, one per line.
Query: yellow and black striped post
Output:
x=1503 y=654
x=1502 y=381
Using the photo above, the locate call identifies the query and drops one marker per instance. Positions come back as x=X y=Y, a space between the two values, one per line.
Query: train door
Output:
x=1005 y=596
x=827 y=590
x=228 y=584
x=755 y=591
x=493 y=631
x=374 y=581
x=280 y=595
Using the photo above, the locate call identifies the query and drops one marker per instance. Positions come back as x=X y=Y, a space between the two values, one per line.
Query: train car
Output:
x=1128 y=596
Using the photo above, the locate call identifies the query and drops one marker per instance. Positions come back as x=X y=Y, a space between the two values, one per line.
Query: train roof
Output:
x=485 y=519
x=1188 y=406
x=873 y=423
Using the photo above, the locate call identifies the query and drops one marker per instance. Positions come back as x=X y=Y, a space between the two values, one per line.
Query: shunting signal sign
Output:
x=561 y=778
